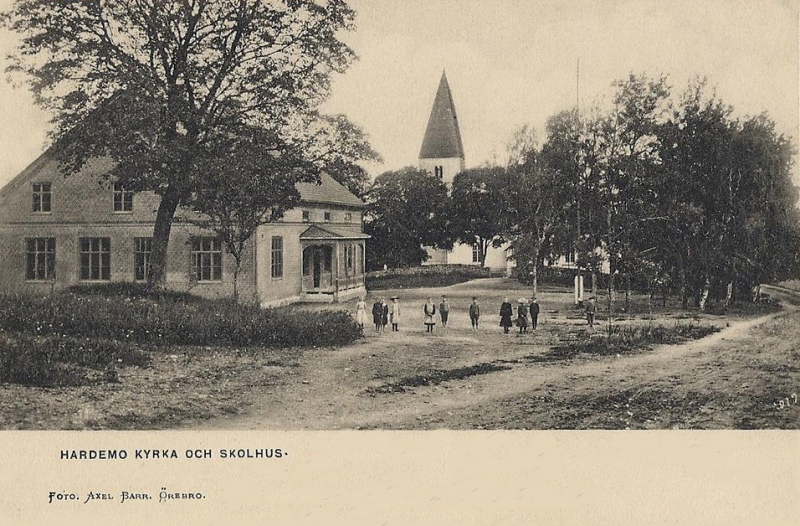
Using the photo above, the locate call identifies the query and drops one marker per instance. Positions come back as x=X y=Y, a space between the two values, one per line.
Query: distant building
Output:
x=442 y=154
x=57 y=231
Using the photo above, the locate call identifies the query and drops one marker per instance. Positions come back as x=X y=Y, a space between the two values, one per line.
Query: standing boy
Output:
x=591 y=308
x=534 y=310
x=474 y=312
x=444 y=310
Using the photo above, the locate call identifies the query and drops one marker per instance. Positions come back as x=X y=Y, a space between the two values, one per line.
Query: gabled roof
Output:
x=328 y=192
x=442 y=137
x=318 y=232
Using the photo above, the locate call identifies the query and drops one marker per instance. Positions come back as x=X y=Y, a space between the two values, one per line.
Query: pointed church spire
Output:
x=442 y=136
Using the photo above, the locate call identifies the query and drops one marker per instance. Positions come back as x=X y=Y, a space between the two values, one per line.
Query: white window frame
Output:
x=43 y=250
x=276 y=258
x=146 y=255
x=207 y=254
x=96 y=251
x=121 y=197
x=38 y=193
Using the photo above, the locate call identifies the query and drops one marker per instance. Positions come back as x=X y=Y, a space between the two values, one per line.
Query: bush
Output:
x=172 y=321
x=424 y=276
x=62 y=361
x=626 y=340
x=564 y=277
x=129 y=290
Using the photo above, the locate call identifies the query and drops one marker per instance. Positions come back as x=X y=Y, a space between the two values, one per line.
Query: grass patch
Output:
x=628 y=340
x=63 y=361
x=167 y=319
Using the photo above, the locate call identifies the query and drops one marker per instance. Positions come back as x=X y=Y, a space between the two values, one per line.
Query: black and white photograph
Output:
x=436 y=216
x=367 y=215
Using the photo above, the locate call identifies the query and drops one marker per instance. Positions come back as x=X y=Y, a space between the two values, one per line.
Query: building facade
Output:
x=58 y=230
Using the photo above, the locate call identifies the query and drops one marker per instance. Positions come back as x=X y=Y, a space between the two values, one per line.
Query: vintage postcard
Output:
x=422 y=262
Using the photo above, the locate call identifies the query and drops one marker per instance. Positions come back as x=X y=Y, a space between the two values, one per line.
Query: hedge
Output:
x=171 y=320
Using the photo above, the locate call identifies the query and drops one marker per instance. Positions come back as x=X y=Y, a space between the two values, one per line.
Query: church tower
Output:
x=442 y=152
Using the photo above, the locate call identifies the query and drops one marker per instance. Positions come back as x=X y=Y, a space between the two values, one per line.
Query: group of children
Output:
x=384 y=313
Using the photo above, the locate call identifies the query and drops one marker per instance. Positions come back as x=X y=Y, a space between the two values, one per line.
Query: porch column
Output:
x=337 y=266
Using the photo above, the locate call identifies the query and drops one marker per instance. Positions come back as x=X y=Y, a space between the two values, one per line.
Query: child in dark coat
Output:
x=534 y=308
x=474 y=312
x=506 y=311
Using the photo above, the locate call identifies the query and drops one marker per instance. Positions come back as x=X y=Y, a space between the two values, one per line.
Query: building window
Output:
x=123 y=199
x=438 y=171
x=142 y=248
x=95 y=258
x=41 y=264
x=349 y=257
x=348 y=216
x=41 y=197
x=326 y=216
x=476 y=253
x=207 y=259
x=277 y=257
x=360 y=259
x=570 y=258
x=306 y=216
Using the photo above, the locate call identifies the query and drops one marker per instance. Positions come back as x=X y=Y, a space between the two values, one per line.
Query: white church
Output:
x=442 y=154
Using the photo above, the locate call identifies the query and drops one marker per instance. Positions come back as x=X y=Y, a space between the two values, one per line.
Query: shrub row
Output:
x=129 y=290
x=424 y=276
x=171 y=321
x=63 y=361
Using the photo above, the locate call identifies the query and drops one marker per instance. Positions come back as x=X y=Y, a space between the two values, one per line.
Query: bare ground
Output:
x=460 y=379
x=455 y=378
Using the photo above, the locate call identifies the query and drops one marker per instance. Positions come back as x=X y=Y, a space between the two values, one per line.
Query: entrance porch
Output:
x=332 y=264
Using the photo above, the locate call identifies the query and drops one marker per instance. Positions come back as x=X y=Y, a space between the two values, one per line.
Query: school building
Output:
x=58 y=230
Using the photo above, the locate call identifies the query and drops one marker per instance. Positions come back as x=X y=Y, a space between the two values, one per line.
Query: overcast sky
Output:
x=514 y=62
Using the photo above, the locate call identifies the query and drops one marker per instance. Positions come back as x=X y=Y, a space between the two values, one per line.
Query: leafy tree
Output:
x=158 y=85
x=729 y=191
x=477 y=208
x=535 y=197
x=406 y=211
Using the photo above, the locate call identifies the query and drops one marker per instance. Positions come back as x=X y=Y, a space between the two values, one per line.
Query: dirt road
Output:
x=457 y=378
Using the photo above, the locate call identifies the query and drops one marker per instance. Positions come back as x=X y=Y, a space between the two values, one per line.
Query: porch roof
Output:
x=315 y=232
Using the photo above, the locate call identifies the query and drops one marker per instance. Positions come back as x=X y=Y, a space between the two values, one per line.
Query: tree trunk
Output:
x=682 y=284
x=158 y=258
x=535 y=277
x=484 y=249
x=236 y=280
x=703 y=295
x=729 y=293
x=627 y=291
x=594 y=282
x=610 y=298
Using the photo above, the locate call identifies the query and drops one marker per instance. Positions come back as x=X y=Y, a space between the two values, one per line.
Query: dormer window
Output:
x=123 y=199
x=348 y=216
x=306 y=216
x=41 y=197
x=438 y=171
x=326 y=217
